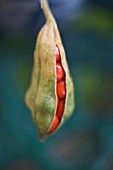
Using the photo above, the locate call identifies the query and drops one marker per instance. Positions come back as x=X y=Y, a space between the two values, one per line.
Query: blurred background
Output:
x=85 y=141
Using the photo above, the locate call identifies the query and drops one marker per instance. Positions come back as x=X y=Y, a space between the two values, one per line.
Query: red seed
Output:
x=60 y=109
x=61 y=89
x=57 y=53
x=59 y=71
x=54 y=124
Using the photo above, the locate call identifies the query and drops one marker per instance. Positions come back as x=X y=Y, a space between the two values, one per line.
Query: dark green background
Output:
x=85 y=142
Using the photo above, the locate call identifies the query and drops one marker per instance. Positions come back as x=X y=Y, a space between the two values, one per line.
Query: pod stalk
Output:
x=46 y=9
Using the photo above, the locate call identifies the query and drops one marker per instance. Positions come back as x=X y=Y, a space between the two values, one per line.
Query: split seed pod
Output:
x=50 y=95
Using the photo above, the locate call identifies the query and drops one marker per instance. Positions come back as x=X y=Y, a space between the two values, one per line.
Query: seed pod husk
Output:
x=41 y=96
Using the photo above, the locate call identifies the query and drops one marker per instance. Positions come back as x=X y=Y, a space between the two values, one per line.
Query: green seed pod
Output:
x=41 y=96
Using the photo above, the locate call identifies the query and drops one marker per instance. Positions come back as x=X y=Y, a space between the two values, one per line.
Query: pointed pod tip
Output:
x=43 y=138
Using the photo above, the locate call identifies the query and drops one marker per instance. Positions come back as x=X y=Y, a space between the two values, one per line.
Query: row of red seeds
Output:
x=61 y=91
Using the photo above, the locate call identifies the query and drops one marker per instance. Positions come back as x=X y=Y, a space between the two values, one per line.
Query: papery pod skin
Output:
x=41 y=95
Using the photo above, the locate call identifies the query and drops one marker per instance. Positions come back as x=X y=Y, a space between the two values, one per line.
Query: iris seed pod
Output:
x=50 y=96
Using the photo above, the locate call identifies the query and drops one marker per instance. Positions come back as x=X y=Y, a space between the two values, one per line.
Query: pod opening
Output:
x=60 y=91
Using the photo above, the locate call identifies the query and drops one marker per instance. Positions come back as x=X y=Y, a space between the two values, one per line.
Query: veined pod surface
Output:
x=50 y=95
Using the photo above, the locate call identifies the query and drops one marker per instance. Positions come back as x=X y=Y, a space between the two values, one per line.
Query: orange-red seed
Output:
x=61 y=89
x=59 y=71
x=54 y=124
x=60 y=109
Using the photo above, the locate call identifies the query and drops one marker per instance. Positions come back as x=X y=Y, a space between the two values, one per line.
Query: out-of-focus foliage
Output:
x=85 y=142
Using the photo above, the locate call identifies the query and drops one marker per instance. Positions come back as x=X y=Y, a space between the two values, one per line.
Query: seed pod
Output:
x=42 y=97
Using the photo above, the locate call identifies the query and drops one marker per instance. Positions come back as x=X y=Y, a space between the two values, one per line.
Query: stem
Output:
x=46 y=9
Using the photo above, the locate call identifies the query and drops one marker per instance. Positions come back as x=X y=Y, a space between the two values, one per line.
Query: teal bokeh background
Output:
x=85 y=142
